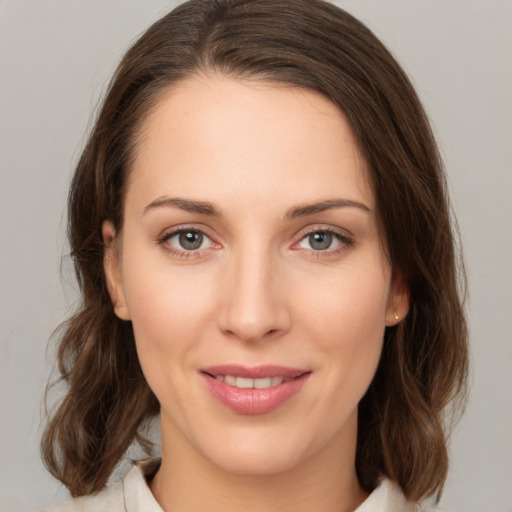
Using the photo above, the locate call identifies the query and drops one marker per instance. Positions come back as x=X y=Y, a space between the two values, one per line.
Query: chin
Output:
x=260 y=452
x=256 y=462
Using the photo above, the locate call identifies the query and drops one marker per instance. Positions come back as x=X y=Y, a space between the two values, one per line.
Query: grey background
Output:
x=55 y=59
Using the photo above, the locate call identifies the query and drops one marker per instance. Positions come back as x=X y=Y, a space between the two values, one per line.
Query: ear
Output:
x=112 y=267
x=398 y=301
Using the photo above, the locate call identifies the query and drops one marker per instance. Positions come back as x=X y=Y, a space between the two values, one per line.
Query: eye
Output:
x=189 y=240
x=186 y=240
x=319 y=241
x=324 y=240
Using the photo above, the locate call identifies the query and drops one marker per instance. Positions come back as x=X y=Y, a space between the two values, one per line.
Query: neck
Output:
x=324 y=482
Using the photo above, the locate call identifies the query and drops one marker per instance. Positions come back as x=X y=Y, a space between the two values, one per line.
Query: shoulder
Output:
x=132 y=494
x=111 y=500
x=388 y=497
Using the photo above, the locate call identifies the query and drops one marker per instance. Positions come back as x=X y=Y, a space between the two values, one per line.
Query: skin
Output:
x=258 y=291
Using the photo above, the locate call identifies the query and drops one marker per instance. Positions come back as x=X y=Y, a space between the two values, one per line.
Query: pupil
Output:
x=191 y=240
x=320 y=241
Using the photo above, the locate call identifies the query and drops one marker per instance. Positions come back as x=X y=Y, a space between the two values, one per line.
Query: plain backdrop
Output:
x=55 y=59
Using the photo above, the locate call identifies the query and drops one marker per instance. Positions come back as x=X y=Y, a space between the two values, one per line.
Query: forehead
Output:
x=247 y=138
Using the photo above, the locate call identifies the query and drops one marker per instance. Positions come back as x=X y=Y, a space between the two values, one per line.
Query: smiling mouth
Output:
x=248 y=383
x=254 y=390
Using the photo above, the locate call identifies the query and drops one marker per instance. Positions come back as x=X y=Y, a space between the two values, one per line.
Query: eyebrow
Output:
x=310 y=209
x=207 y=208
x=201 y=207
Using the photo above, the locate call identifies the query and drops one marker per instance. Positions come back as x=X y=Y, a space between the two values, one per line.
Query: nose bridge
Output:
x=253 y=305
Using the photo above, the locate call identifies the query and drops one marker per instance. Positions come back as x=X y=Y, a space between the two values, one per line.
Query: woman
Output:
x=261 y=234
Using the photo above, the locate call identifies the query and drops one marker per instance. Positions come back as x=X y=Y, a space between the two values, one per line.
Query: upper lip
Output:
x=254 y=372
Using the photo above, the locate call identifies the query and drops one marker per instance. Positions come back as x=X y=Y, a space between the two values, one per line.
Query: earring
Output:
x=396 y=315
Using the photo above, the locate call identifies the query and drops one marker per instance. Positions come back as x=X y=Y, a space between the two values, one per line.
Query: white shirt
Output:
x=132 y=494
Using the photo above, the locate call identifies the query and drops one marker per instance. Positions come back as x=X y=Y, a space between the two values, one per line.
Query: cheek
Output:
x=347 y=303
x=168 y=314
x=168 y=308
x=344 y=317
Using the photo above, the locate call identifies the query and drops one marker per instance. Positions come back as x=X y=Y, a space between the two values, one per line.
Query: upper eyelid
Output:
x=171 y=231
x=172 y=234
x=343 y=232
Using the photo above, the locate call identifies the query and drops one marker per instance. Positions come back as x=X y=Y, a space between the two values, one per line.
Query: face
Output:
x=251 y=266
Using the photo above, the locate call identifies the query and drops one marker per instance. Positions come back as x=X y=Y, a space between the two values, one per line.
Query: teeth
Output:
x=278 y=380
x=242 y=382
x=245 y=383
x=263 y=383
x=229 y=379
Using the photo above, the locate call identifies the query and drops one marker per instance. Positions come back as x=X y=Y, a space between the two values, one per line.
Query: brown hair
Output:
x=305 y=43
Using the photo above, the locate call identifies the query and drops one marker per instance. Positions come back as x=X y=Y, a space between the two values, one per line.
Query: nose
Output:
x=253 y=303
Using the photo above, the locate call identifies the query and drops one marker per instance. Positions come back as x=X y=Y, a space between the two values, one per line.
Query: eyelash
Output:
x=345 y=242
x=184 y=254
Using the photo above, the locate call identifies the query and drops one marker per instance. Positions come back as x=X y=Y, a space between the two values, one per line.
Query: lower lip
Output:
x=254 y=401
